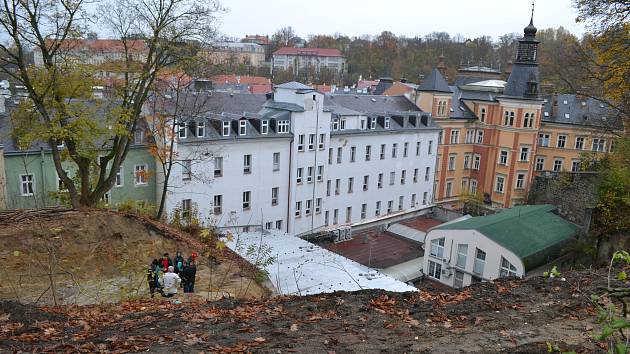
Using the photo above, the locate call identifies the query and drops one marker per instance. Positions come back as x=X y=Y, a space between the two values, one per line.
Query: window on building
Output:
x=27 y=184
x=415 y=175
x=390 y=206
x=451 y=162
x=311 y=142
x=562 y=141
x=363 y=211
x=182 y=132
x=380 y=180
x=299 y=175
x=611 y=147
x=467 y=158
x=335 y=216
x=373 y=123
x=599 y=144
x=276 y=161
x=557 y=165
x=394 y=150
x=459 y=279
x=278 y=224
x=440 y=135
x=413 y=200
x=247 y=164
x=275 y=191
x=508 y=118
x=479 y=136
x=138 y=136
x=482 y=115
x=342 y=124
x=217 y=204
x=386 y=125
x=418 y=146
x=575 y=166
x=377 y=209
x=405 y=149
x=473 y=186
x=362 y=123
x=186 y=208
x=579 y=143
x=320 y=173
x=366 y=181
x=427 y=172
x=524 y=153
x=328 y=183
x=350 y=184
x=141 y=174
x=339 y=154
x=540 y=163
x=309 y=174
x=470 y=136
x=268 y=225
x=247 y=198
x=500 y=181
x=507 y=269
x=337 y=186
x=186 y=170
x=309 y=207
x=120 y=177
x=335 y=124
x=435 y=270
x=353 y=153
x=348 y=214
x=298 y=209
x=480 y=261
x=543 y=139
x=322 y=138
x=368 y=152
x=242 y=127
x=430 y=150
x=264 y=126
x=462 y=254
x=424 y=198
x=520 y=180
x=449 y=189
x=403 y=176
x=330 y=156
x=326 y=218
x=318 y=205
x=503 y=157
x=300 y=143
x=401 y=201
x=201 y=129
x=283 y=127
x=218 y=166
x=225 y=128
x=528 y=120
x=392 y=178
x=437 y=248
x=455 y=136
x=476 y=162
x=382 y=152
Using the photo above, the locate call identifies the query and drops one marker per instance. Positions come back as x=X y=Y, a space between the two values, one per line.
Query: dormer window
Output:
x=482 y=115
x=567 y=116
x=201 y=129
x=386 y=125
x=242 y=127
x=335 y=124
x=373 y=123
x=565 y=102
x=181 y=130
x=546 y=114
x=283 y=126
x=138 y=137
x=264 y=127
x=363 y=124
x=225 y=129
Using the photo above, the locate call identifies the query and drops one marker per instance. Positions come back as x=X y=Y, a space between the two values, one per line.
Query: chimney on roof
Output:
x=554 y=105
x=441 y=65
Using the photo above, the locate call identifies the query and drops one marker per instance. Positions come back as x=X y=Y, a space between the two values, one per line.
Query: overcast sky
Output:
x=471 y=18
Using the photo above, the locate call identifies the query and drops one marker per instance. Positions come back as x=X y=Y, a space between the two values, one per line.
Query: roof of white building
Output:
x=407 y=271
x=294 y=85
x=303 y=268
x=407 y=232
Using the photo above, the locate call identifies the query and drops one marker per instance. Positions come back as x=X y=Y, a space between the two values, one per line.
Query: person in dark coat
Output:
x=152 y=276
x=179 y=263
x=189 y=274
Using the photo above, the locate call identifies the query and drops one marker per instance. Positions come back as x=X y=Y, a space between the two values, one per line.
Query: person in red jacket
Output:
x=166 y=262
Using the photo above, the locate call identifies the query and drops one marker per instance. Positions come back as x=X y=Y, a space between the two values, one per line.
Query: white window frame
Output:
x=435 y=270
x=217 y=204
x=201 y=129
x=120 y=177
x=186 y=170
x=275 y=192
x=264 y=126
x=247 y=200
x=437 y=248
x=499 y=181
x=247 y=164
x=276 y=161
x=282 y=126
x=27 y=186
x=242 y=127
x=507 y=269
x=218 y=166
x=140 y=177
x=225 y=128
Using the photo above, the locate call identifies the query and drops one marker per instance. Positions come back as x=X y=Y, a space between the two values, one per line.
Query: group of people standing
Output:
x=166 y=275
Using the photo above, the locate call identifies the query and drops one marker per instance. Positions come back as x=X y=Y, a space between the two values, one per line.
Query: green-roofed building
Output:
x=510 y=243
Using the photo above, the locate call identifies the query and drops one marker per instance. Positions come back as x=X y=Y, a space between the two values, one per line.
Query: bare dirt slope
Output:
x=509 y=316
x=100 y=256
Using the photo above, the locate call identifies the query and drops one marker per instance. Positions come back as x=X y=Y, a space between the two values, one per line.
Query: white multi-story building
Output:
x=303 y=161
x=299 y=59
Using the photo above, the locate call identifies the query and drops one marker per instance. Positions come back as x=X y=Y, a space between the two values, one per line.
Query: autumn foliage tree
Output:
x=88 y=148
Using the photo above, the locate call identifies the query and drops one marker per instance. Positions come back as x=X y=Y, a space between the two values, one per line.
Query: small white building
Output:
x=512 y=242
x=315 y=59
x=302 y=162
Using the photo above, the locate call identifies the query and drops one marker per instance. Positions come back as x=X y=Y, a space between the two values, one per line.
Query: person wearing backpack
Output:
x=188 y=275
x=152 y=276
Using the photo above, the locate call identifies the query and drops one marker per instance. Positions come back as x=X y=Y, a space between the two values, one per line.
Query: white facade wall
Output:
x=314 y=120
x=474 y=239
x=203 y=186
x=284 y=62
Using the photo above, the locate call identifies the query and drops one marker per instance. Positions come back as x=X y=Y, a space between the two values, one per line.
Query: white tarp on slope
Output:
x=303 y=268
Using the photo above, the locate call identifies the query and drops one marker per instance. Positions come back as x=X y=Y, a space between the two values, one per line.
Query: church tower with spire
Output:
x=523 y=81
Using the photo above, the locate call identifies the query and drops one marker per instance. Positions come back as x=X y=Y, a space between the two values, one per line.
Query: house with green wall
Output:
x=31 y=180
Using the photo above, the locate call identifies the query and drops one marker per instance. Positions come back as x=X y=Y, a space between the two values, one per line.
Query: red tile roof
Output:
x=264 y=40
x=421 y=223
x=397 y=89
x=323 y=88
x=381 y=250
x=366 y=83
x=241 y=79
x=320 y=52
x=255 y=88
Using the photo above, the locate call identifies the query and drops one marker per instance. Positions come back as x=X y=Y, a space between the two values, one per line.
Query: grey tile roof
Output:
x=581 y=111
x=517 y=81
x=294 y=85
x=458 y=108
x=383 y=84
x=195 y=103
x=370 y=104
x=434 y=82
x=284 y=106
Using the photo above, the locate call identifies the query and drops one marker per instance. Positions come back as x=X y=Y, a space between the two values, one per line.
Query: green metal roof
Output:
x=532 y=232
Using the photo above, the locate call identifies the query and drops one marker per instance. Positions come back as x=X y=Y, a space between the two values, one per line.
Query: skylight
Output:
x=566 y=115
x=546 y=114
x=566 y=102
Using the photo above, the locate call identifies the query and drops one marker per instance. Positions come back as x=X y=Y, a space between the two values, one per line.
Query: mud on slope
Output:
x=509 y=316
x=99 y=256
